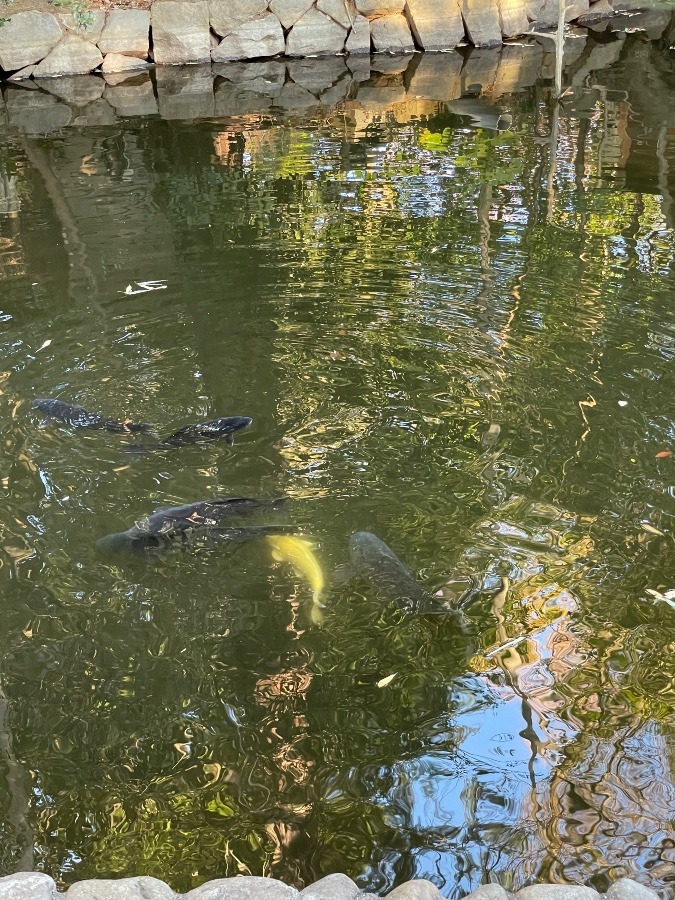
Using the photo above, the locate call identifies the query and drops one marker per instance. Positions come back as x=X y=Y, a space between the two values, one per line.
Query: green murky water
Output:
x=379 y=280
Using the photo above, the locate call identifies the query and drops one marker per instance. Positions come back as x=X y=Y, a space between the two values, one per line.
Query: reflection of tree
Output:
x=404 y=287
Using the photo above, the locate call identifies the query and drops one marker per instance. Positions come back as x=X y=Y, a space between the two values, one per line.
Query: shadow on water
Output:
x=447 y=304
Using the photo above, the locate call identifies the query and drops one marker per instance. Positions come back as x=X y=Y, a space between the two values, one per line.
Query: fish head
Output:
x=233 y=423
x=365 y=545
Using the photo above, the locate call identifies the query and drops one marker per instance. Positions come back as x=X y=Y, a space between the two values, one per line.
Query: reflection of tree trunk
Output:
x=82 y=279
x=553 y=158
x=580 y=171
x=484 y=204
x=19 y=794
x=667 y=200
x=559 y=48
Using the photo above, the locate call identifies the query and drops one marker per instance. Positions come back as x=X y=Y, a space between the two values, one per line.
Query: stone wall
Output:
x=36 y=886
x=189 y=32
x=364 y=89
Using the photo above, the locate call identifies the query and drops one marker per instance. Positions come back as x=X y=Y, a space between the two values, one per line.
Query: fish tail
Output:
x=143 y=449
x=316 y=613
x=142 y=427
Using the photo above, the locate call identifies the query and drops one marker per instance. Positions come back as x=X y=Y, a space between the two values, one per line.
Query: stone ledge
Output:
x=36 y=886
x=189 y=32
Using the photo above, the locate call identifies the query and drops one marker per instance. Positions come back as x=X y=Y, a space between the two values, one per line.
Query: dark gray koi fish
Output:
x=373 y=561
x=199 y=433
x=79 y=417
x=194 y=526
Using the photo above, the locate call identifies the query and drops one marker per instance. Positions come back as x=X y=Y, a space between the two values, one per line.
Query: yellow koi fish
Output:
x=298 y=552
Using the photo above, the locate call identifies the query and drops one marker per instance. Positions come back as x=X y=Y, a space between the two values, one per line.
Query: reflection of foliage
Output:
x=224 y=744
x=479 y=151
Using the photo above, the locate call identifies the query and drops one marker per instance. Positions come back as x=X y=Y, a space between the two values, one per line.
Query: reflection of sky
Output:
x=487 y=811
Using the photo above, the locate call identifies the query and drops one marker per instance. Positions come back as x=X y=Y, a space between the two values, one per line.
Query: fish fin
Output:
x=46 y=422
x=229 y=440
x=342 y=574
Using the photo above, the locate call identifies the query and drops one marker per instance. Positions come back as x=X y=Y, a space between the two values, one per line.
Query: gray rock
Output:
x=117 y=62
x=135 y=97
x=481 y=19
x=91 y=32
x=435 y=76
x=652 y=21
x=359 y=66
x=601 y=57
x=513 y=18
x=519 y=67
x=185 y=93
x=435 y=25
x=390 y=64
x=126 y=32
x=482 y=113
x=391 y=34
x=290 y=11
x=480 y=71
x=343 y=11
x=26 y=38
x=260 y=77
x=315 y=34
x=227 y=15
x=138 y=888
x=295 y=98
x=336 y=93
x=557 y=892
x=77 y=90
x=100 y=112
x=490 y=892
x=22 y=74
x=233 y=100
x=602 y=9
x=180 y=32
x=372 y=8
x=27 y=885
x=627 y=889
x=250 y=887
x=317 y=75
x=34 y=112
x=71 y=56
x=544 y=13
x=260 y=37
x=358 y=41
x=335 y=887
x=420 y=889
x=374 y=97
x=115 y=78
x=573 y=48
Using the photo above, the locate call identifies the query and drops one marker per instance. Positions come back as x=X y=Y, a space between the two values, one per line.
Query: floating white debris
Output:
x=623 y=402
x=650 y=528
x=144 y=286
x=667 y=597
x=383 y=682
x=43 y=346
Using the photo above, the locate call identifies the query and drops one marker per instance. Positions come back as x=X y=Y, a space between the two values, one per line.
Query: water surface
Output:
x=448 y=304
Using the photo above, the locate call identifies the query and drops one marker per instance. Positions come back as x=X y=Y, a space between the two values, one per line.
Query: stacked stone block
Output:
x=192 y=32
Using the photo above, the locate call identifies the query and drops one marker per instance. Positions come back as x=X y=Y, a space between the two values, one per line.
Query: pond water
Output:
x=447 y=303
